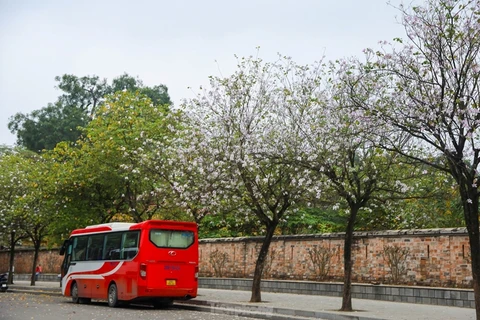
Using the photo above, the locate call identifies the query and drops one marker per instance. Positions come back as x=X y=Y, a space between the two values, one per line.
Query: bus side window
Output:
x=79 y=248
x=93 y=253
x=130 y=245
x=113 y=244
x=114 y=254
x=95 y=247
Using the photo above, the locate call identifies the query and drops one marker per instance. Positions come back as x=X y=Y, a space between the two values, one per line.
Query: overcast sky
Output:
x=176 y=43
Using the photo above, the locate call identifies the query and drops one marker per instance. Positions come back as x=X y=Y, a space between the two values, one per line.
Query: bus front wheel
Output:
x=75 y=297
x=113 y=296
x=74 y=293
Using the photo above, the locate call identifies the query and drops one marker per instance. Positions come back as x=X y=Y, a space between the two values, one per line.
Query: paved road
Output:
x=23 y=306
x=292 y=306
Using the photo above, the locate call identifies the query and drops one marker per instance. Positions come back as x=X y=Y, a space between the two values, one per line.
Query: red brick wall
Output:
x=49 y=259
x=437 y=257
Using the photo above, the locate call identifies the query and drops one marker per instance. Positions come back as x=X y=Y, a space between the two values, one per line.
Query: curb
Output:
x=264 y=312
x=234 y=312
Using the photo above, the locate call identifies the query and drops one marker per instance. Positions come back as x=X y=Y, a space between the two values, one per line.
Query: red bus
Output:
x=154 y=261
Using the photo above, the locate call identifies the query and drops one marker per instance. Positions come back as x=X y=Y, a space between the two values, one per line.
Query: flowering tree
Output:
x=30 y=207
x=434 y=96
x=238 y=118
x=13 y=184
x=192 y=173
x=335 y=145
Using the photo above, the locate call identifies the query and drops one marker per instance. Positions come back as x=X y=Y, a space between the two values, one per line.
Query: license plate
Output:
x=4 y=285
x=171 y=282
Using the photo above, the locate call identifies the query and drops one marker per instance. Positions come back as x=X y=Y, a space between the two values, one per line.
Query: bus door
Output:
x=173 y=261
x=77 y=265
x=66 y=250
x=94 y=263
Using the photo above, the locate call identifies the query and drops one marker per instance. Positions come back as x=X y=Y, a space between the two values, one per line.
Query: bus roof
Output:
x=122 y=226
x=112 y=225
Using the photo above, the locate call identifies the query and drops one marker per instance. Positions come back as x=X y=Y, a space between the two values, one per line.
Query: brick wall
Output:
x=434 y=257
x=49 y=259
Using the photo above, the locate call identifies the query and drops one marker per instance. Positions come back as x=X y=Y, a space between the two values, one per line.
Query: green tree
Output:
x=118 y=137
x=82 y=190
x=314 y=220
x=13 y=183
x=436 y=205
x=37 y=207
x=81 y=97
x=107 y=174
x=44 y=128
x=157 y=94
x=28 y=205
x=83 y=93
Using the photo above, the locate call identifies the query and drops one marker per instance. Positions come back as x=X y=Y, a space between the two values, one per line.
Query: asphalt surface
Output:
x=291 y=306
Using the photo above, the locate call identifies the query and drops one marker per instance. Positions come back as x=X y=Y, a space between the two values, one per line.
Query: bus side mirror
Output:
x=64 y=247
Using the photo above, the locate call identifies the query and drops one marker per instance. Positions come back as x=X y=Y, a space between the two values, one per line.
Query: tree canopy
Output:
x=431 y=92
x=61 y=121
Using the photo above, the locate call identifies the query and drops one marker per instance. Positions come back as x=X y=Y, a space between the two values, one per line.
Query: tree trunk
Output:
x=471 y=219
x=12 y=257
x=35 y=259
x=262 y=256
x=474 y=251
x=347 y=261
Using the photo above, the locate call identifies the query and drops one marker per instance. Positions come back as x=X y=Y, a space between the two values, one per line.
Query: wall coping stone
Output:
x=341 y=235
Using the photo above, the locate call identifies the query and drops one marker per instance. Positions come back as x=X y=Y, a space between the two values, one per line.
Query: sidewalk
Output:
x=292 y=306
